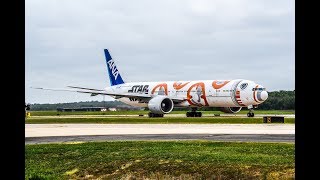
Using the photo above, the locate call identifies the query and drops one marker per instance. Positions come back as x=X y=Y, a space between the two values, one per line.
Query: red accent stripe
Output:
x=254 y=94
x=238 y=98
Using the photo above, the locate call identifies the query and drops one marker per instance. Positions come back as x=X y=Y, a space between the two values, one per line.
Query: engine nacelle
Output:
x=160 y=105
x=230 y=109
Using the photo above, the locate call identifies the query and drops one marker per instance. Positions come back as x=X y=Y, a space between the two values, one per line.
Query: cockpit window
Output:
x=243 y=86
x=258 y=89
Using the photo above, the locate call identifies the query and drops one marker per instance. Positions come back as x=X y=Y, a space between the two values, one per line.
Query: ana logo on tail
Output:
x=114 y=74
x=113 y=68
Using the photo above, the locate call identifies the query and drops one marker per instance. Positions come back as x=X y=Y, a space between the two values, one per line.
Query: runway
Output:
x=166 y=115
x=49 y=133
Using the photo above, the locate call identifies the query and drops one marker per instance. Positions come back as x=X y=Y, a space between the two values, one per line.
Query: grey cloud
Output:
x=155 y=41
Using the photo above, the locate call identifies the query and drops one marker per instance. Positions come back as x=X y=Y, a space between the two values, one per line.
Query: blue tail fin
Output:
x=113 y=71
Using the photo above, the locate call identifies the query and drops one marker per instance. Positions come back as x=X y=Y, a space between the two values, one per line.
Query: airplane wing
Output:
x=94 y=92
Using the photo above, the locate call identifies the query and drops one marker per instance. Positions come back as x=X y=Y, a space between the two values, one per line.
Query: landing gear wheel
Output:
x=194 y=114
x=151 y=115
x=190 y=114
x=250 y=114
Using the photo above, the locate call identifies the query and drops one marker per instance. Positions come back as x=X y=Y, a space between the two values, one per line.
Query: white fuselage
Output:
x=211 y=93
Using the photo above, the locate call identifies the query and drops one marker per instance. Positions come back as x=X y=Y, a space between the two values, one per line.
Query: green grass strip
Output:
x=54 y=113
x=160 y=160
x=164 y=120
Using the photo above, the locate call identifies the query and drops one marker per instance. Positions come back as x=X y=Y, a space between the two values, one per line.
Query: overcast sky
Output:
x=156 y=40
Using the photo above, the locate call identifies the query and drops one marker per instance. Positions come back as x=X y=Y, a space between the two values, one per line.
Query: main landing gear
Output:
x=250 y=113
x=150 y=114
x=194 y=113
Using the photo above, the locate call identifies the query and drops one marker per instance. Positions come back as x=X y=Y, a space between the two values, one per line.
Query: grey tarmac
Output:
x=50 y=133
x=287 y=138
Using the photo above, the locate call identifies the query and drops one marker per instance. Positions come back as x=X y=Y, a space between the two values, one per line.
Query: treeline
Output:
x=277 y=100
x=106 y=104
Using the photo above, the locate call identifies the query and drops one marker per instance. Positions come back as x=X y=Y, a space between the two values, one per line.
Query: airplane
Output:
x=230 y=96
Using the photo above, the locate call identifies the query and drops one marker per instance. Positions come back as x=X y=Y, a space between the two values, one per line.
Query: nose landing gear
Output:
x=250 y=113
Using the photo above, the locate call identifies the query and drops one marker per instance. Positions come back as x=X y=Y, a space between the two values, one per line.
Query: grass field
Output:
x=160 y=160
x=134 y=120
x=54 y=113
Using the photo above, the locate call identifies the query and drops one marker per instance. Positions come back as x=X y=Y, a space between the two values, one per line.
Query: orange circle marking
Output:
x=201 y=84
x=220 y=85
x=177 y=85
x=164 y=85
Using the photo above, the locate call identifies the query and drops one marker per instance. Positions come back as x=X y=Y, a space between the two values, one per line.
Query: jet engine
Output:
x=160 y=105
x=230 y=109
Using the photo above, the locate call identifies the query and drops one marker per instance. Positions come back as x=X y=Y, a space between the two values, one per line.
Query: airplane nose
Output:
x=264 y=95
